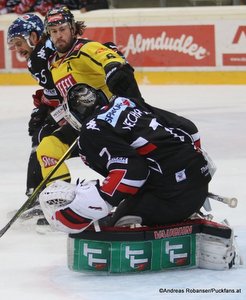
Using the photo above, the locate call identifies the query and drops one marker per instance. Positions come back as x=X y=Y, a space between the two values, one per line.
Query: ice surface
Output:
x=34 y=267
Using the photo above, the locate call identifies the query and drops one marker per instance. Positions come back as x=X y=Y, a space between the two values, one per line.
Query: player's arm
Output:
x=126 y=171
x=176 y=121
x=89 y=202
x=119 y=74
x=121 y=81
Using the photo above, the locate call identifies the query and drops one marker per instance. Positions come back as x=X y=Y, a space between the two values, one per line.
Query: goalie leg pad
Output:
x=216 y=253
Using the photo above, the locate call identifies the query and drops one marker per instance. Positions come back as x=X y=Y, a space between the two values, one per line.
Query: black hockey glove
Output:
x=38 y=117
x=120 y=80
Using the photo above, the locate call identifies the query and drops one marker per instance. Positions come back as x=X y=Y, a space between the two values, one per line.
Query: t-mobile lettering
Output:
x=90 y=252
x=170 y=249
x=131 y=255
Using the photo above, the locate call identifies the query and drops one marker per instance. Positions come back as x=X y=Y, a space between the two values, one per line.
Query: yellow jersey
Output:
x=84 y=63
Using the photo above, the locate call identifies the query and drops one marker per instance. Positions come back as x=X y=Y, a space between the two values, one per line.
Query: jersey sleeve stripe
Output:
x=127 y=189
x=133 y=183
x=146 y=149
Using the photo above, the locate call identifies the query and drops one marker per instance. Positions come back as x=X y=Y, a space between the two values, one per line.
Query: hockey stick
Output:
x=38 y=189
x=231 y=202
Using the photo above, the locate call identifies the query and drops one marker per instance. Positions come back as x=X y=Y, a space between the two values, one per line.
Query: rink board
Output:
x=151 y=78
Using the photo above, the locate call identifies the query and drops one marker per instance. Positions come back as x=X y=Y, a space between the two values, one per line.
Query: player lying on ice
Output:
x=153 y=168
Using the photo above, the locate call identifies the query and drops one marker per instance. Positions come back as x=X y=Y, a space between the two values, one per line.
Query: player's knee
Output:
x=50 y=150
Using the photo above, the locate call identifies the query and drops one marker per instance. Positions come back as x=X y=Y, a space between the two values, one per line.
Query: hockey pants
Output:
x=34 y=175
x=52 y=148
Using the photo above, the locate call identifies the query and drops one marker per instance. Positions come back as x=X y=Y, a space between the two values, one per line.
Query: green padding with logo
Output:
x=131 y=256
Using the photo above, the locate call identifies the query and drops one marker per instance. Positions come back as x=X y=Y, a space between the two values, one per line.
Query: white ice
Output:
x=34 y=266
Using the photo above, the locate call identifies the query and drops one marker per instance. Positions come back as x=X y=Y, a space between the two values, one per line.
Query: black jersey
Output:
x=132 y=145
x=38 y=67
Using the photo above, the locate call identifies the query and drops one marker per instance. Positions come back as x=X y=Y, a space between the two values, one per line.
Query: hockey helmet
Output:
x=81 y=102
x=57 y=16
x=23 y=26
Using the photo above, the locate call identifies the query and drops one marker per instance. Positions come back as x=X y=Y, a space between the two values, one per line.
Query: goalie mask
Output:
x=82 y=100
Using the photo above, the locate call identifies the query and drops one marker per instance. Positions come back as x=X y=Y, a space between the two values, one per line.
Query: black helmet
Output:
x=57 y=16
x=81 y=102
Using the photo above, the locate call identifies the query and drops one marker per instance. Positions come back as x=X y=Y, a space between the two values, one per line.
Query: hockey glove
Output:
x=120 y=80
x=37 y=97
x=38 y=117
x=72 y=209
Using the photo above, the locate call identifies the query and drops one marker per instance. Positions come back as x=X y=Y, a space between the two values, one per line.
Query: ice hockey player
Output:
x=25 y=37
x=152 y=168
x=80 y=60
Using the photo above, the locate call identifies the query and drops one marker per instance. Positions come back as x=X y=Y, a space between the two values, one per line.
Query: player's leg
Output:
x=155 y=209
x=34 y=175
x=52 y=148
x=49 y=151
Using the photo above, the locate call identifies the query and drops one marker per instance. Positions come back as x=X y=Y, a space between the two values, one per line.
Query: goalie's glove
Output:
x=120 y=80
x=38 y=116
x=72 y=209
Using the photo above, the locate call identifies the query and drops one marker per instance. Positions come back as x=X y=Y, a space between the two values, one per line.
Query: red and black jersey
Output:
x=132 y=145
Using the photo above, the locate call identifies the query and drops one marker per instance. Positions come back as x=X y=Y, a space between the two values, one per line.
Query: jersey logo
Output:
x=69 y=68
x=100 y=50
x=41 y=53
x=154 y=124
x=64 y=84
x=50 y=92
x=92 y=125
x=175 y=135
x=180 y=176
x=117 y=160
x=48 y=161
x=113 y=114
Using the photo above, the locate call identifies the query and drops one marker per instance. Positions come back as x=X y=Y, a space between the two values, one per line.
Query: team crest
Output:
x=92 y=125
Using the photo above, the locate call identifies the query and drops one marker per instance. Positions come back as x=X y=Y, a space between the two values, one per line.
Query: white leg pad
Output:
x=216 y=253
